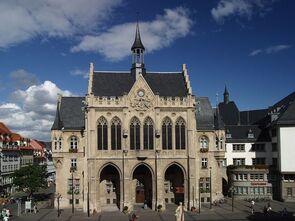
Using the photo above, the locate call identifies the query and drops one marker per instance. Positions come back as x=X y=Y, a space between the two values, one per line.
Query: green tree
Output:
x=30 y=178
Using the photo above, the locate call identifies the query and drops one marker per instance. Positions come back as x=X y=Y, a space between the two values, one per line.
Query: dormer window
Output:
x=250 y=134
x=228 y=134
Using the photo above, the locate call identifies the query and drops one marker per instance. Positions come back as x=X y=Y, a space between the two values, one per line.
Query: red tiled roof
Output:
x=4 y=129
x=35 y=145
x=16 y=137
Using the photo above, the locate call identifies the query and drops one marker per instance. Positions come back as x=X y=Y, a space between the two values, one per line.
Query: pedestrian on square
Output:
x=133 y=216
x=252 y=206
x=179 y=212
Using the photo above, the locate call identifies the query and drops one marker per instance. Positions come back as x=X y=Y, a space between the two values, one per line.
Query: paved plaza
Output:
x=223 y=212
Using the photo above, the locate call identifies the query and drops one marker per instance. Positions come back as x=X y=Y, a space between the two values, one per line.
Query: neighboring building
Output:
x=38 y=151
x=257 y=155
x=10 y=144
x=137 y=137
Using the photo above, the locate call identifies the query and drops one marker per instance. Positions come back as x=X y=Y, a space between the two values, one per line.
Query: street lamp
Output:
x=58 y=196
x=157 y=152
x=199 y=195
x=210 y=188
x=232 y=191
x=72 y=170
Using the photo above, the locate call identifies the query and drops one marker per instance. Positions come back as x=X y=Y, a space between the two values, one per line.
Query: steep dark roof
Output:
x=253 y=117
x=218 y=122
x=288 y=116
x=70 y=114
x=240 y=133
x=118 y=83
x=229 y=113
x=204 y=114
x=283 y=103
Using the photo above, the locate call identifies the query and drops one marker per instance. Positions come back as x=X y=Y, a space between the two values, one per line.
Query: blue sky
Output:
x=46 y=47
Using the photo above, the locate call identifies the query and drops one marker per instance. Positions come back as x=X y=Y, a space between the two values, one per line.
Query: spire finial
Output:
x=137 y=41
x=225 y=96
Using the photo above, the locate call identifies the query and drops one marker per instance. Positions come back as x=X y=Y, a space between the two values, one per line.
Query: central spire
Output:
x=137 y=55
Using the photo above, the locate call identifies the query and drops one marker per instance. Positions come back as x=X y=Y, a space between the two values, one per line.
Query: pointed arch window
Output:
x=167 y=134
x=180 y=134
x=55 y=143
x=102 y=134
x=148 y=134
x=116 y=134
x=135 y=134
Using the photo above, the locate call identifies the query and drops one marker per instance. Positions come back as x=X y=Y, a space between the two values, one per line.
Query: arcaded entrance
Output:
x=142 y=177
x=174 y=178
x=110 y=187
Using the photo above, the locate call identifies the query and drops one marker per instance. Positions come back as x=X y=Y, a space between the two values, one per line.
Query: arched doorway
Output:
x=110 y=187
x=174 y=184
x=143 y=185
x=224 y=187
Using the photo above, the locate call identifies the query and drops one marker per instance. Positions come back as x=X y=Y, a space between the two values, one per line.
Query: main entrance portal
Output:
x=143 y=185
x=175 y=177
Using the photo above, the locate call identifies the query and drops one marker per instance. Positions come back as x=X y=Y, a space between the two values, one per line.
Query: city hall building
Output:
x=137 y=137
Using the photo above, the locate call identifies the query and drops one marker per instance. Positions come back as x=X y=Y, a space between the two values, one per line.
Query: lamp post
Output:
x=156 y=177
x=210 y=188
x=232 y=191
x=199 y=195
x=58 y=196
x=88 y=209
x=72 y=170
x=124 y=153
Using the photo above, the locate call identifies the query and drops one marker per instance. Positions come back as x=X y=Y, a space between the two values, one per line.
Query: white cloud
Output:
x=26 y=19
x=270 y=50
x=22 y=79
x=242 y=8
x=277 y=48
x=79 y=72
x=116 y=42
x=31 y=112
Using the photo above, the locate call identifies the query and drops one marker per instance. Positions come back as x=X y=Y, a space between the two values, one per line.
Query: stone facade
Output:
x=115 y=168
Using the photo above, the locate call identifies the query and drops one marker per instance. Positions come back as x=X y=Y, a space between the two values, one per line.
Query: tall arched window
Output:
x=148 y=134
x=73 y=142
x=102 y=134
x=180 y=134
x=204 y=143
x=116 y=134
x=167 y=134
x=135 y=134
x=55 y=143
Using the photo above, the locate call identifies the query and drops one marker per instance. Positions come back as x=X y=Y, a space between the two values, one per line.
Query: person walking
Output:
x=179 y=212
x=252 y=206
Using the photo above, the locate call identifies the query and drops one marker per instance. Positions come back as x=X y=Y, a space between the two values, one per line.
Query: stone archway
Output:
x=109 y=184
x=174 y=184
x=143 y=179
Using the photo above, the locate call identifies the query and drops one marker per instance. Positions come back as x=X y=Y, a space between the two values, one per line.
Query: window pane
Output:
x=113 y=137
x=182 y=136
x=137 y=137
x=169 y=137
x=145 y=137
x=177 y=137
x=99 y=137
x=105 y=137
x=132 y=146
x=164 y=137
x=151 y=137
x=119 y=137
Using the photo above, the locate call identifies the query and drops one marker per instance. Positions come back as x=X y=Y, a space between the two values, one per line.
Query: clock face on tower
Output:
x=140 y=92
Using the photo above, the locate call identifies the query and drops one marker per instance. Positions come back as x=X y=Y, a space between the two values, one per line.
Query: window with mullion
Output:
x=116 y=136
x=148 y=136
x=180 y=134
x=102 y=134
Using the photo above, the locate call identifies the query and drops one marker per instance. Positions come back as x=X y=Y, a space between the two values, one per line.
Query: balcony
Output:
x=204 y=150
x=73 y=150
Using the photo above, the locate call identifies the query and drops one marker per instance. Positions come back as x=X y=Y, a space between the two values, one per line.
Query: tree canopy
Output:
x=30 y=178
